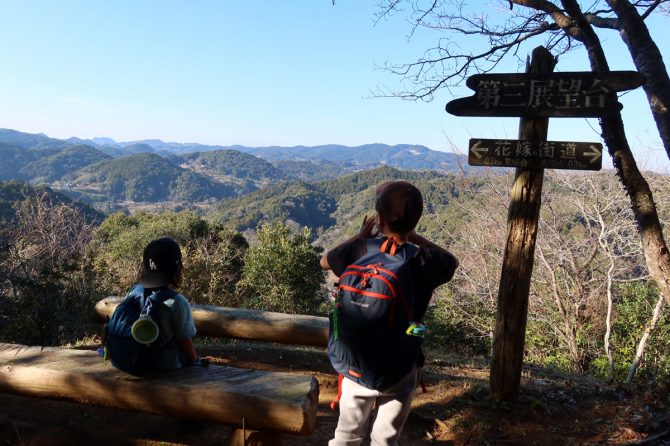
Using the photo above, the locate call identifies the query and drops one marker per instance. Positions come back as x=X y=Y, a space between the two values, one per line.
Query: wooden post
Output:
x=522 y=221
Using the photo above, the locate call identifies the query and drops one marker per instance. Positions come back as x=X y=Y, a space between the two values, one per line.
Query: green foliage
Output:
x=302 y=203
x=212 y=255
x=448 y=332
x=190 y=186
x=355 y=196
x=543 y=347
x=634 y=308
x=214 y=267
x=359 y=181
x=282 y=271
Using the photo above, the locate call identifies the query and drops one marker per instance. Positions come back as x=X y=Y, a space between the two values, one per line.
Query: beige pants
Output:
x=356 y=404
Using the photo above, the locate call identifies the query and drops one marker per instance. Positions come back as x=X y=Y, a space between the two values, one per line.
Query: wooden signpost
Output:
x=534 y=96
x=535 y=155
x=570 y=94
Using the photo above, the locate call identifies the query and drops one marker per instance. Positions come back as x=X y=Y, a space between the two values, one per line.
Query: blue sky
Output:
x=223 y=72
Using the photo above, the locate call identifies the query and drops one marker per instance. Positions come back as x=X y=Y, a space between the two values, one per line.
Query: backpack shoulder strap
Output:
x=405 y=251
x=160 y=295
x=373 y=244
x=136 y=293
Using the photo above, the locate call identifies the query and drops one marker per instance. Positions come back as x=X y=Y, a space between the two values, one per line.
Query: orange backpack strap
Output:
x=389 y=246
x=336 y=400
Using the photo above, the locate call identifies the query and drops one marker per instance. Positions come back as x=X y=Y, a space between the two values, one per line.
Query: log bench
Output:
x=260 y=404
x=239 y=323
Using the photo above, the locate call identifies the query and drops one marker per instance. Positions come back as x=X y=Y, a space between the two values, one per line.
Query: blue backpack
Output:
x=119 y=344
x=374 y=339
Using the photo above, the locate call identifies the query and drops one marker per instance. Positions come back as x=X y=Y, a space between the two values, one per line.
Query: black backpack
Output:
x=374 y=339
x=119 y=344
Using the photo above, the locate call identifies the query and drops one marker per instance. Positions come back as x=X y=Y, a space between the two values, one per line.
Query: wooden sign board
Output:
x=538 y=155
x=568 y=94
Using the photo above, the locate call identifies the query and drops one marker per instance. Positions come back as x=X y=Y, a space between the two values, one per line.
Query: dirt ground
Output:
x=553 y=409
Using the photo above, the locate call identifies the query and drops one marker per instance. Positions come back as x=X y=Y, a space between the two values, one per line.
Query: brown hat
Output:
x=161 y=261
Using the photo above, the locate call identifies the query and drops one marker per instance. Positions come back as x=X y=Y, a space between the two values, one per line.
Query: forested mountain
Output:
x=35 y=141
x=144 y=177
x=53 y=167
x=101 y=170
x=358 y=181
x=14 y=158
x=13 y=193
x=302 y=203
x=317 y=205
x=403 y=156
x=245 y=172
x=311 y=170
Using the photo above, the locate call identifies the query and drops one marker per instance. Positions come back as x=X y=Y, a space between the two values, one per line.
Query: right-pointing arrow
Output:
x=477 y=151
x=595 y=155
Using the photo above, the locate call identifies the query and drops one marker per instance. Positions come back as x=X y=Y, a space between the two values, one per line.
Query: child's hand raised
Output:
x=368 y=228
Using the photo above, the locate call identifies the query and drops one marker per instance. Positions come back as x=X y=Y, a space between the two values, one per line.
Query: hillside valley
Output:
x=152 y=174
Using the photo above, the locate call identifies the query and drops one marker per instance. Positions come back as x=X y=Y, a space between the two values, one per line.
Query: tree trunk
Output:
x=642 y=201
x=608 y=322
x=648 y=61
x=642 y=345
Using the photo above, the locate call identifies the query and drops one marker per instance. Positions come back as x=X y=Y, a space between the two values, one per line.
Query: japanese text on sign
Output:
x=545 y=154
x=562 y=93
x=567 y=94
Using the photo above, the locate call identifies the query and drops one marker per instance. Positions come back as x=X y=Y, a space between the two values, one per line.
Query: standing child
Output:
x=161 y=274
x=399 y=206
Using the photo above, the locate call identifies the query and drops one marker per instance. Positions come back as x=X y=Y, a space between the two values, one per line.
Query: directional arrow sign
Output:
x=567 y=94
x=539 y=155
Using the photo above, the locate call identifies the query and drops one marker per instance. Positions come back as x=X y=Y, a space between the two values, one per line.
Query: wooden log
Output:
x=239 y=323
x=246 y=437
x=264 y=401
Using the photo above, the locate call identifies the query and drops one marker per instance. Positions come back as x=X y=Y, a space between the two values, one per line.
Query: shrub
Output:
x=45 y=290
x=634 y=308
x=212 y=255
x=282 y=271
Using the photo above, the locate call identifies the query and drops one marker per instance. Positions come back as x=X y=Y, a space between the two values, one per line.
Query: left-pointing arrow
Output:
x=477 y=151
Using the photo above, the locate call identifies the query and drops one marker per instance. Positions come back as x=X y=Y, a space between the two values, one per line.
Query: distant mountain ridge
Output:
x=153 y=171
x=402 y=156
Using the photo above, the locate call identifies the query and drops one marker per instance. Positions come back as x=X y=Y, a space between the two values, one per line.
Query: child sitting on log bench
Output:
x=153 y=329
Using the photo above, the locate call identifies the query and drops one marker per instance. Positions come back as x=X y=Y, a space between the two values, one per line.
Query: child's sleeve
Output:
x=436 y=266
x=344 y=255
x=182 y=318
